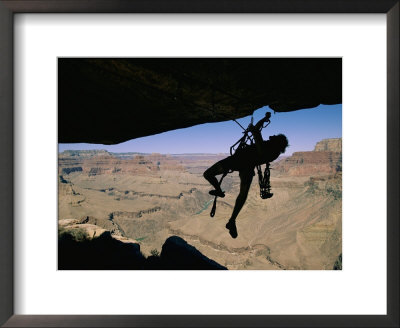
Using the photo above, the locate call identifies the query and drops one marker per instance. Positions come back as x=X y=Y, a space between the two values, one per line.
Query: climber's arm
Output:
x=258 y=140
x=260 y=123
x=256 y=132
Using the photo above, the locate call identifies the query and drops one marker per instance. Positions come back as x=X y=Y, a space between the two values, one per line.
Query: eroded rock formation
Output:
x=333 y=145
x=102 y=162
x=325 y=159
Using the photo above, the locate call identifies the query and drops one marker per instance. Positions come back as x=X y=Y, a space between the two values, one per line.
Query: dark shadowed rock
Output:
x=76 y=251
x=111 y=100
x=177 y=254
x=338 y=263
x=68 y=170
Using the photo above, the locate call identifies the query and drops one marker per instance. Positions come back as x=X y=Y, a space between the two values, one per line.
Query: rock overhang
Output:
x=112 y=100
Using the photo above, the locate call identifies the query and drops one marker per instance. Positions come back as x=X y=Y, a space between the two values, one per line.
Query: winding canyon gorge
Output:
x=144 y=199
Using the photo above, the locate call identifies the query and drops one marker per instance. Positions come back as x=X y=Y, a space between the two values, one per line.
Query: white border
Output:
x=358 y=289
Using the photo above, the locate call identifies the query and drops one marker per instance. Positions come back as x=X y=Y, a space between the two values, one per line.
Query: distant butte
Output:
x=325 y=159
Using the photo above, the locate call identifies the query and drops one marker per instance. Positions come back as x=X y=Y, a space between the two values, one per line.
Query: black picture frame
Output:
x=10 y=7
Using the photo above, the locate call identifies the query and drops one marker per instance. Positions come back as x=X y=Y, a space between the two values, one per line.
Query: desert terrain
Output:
x=146 y=198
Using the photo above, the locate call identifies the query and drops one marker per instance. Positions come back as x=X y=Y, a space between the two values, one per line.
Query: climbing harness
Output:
x=263 y=178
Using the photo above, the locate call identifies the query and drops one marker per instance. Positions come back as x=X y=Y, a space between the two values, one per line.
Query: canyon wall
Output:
x=325 y=159
x=95 y=162
x=333 y=145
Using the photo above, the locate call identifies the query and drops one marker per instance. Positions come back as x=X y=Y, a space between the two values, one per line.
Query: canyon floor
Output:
x=148 y=198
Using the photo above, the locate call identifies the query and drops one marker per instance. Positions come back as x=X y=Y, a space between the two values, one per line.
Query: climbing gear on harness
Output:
x=264 y=182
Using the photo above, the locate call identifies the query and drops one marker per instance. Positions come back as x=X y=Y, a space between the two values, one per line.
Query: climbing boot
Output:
x=218 y=193
x=231 y=226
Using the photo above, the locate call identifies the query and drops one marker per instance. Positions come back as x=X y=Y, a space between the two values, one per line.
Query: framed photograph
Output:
x=149 y=145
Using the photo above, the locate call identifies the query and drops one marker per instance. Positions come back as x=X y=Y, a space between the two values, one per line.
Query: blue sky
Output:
x=304 y=128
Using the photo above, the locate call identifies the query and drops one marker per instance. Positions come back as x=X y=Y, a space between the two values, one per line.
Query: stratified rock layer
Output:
x=325 y=159
x=334 y=145
x=102 y=162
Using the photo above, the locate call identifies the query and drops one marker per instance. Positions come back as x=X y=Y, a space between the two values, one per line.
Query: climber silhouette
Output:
x=245 y=160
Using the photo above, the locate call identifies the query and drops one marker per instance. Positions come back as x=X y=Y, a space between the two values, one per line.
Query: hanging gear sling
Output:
x=263 y=178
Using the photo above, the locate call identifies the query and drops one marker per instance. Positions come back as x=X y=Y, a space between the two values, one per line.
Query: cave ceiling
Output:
x=108 y=101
